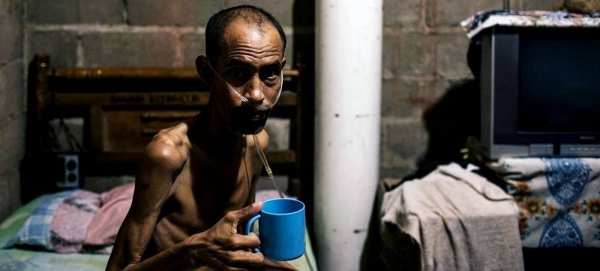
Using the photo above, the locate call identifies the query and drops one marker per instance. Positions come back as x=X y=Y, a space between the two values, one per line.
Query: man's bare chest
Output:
x=200 y=197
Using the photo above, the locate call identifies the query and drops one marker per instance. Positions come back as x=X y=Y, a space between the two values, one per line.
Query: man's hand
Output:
x=221 y=247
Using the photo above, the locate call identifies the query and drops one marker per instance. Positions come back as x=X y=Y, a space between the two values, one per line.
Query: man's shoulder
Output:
x=170 y=146
x=175 y=135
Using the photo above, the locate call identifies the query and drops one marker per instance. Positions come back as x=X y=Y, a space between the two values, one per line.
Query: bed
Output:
x=43 y=253
x=86 y=130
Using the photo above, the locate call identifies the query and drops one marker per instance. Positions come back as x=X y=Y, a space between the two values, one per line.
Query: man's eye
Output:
x=270 y=74
x=238 y=74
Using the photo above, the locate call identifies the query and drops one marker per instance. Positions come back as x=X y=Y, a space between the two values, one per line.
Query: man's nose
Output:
x=255 y=90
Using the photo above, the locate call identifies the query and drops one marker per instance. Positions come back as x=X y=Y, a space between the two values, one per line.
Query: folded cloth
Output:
x=527 y=18
x=558 y=198
x=457 y=220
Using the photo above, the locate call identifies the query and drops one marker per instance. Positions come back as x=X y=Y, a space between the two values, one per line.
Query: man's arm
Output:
x=161 y=162
x=220 y=247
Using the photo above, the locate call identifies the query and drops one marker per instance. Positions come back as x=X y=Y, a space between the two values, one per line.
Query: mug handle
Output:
x=249 y=227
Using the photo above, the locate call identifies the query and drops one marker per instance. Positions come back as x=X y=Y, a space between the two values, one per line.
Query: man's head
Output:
x=217 y=23
x=243 y=63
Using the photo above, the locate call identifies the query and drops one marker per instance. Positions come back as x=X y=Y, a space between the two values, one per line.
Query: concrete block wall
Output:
x=84 y=33
x=424 y=53
x=129 y=33
x=12 y=104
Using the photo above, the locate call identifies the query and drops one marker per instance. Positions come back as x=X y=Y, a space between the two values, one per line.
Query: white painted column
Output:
x=347 y=127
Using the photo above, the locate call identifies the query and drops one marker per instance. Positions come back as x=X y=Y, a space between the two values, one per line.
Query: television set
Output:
x=540 y=91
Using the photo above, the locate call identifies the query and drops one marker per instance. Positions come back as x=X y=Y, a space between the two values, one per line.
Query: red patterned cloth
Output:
x=71 y=220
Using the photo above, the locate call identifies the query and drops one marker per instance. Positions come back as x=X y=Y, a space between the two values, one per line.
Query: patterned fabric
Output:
x=485 y=19
x=59 y=223
x=559 y=200
x=72 y=219
x=37 y=229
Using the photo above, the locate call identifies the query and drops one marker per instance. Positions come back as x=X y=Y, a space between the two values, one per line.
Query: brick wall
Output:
x=129 y=33
x=12 y=109
x=424 y=53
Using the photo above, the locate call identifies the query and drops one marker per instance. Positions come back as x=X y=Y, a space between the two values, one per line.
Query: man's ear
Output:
x=283 y=61
x=207 y=75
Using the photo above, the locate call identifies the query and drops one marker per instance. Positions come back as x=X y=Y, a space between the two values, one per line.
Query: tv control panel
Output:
x=564 y=149
x=580 y=150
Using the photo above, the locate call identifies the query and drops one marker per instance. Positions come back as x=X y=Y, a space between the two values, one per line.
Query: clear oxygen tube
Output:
x=261 y=154
x=261 y=107
x=263 y=158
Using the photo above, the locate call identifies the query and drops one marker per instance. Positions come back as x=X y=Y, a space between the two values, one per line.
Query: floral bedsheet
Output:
x=558 y=199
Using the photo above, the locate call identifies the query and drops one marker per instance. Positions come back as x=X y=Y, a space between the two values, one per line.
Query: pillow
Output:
x=558 y=199
x=11 y=225
x=105 y=225
x=59 y=222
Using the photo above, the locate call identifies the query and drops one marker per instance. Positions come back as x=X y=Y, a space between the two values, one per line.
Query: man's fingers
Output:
x=242 y=242
x=246 y=212
x=245 y=259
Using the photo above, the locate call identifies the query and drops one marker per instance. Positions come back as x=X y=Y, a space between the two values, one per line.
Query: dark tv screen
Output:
x=559 y=85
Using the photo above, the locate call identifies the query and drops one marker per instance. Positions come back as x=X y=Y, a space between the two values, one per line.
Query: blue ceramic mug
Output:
x=281 y=229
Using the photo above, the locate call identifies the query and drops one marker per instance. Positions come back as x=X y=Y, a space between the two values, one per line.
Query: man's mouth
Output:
x=247 y=120
x=257 y=116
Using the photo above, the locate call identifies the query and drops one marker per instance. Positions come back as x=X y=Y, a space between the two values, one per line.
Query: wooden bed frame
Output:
x=122 y=108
